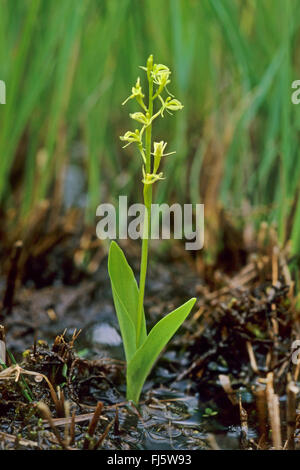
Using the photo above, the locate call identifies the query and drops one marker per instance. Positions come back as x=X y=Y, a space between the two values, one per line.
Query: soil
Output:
x=212 y=387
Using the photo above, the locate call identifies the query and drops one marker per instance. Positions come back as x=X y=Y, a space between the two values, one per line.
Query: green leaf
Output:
x=125 y=294
x=143 y=360
x=127 y=327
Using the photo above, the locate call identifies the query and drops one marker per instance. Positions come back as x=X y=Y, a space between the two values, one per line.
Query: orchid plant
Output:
x=142 y=349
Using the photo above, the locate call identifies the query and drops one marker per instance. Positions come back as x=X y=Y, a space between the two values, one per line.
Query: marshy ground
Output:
x=226 y=380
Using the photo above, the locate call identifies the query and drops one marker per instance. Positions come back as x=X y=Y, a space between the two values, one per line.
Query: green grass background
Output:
x=68 y=65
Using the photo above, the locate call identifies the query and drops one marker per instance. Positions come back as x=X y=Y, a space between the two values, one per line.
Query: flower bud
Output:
x=173 y=104
x=149 y=65
x=140 y=117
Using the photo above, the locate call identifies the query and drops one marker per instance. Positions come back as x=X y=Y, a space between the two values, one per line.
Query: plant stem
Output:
x=147 y=220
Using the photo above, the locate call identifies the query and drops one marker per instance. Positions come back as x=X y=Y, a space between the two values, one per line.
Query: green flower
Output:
x=159 y=148
x=170 y=104
x=136 y=93
x=151 y=178
x=131 y=137
x=173 y=104
x=140 y=117
x=160 y=74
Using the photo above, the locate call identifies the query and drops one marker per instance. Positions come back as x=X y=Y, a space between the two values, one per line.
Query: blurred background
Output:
x=68 y=66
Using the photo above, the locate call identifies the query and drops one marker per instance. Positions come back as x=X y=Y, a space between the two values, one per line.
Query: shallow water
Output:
x=174 y=415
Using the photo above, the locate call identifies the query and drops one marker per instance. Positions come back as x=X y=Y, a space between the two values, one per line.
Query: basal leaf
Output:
x=125 y=293
x=143 y=360
x=126 y=326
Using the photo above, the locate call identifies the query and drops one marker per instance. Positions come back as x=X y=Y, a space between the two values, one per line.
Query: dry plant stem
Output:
x=76 y=419
x=252 y=357
x=93 y=424
x=147 y=202
x=2 y=345
x=60 y=404
x=72 y=428
x=95 y=418
x=274 y=412
x=292 y=391
x=261 y=406
x=274 y=314
x=296 y=373
x=104 y=435
x=244 y=424
x=211 y=440
x=45 y=411
x=231 y=394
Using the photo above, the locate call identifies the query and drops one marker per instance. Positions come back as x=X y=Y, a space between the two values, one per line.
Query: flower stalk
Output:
x=158 y=76
x=147 y=192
